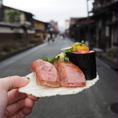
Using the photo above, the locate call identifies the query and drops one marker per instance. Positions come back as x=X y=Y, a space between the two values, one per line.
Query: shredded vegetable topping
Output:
x=77 y=47
x=61 y=57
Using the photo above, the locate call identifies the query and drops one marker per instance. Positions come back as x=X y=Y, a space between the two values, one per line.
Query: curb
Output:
x=111 y=63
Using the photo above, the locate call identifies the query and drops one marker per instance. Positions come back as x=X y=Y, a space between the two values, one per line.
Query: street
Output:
x=94 y=102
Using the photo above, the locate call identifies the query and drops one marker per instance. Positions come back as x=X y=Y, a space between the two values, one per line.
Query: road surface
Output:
x=91 y=103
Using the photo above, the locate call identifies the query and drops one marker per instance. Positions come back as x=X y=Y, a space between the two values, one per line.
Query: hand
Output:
x=12 y=103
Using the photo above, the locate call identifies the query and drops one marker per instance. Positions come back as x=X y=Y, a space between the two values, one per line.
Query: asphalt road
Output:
x=94 y=102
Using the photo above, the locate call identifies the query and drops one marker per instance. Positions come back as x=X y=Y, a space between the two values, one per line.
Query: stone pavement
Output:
x=92 y=103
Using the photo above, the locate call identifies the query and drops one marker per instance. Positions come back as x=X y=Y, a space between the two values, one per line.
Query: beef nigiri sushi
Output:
x=46 y=73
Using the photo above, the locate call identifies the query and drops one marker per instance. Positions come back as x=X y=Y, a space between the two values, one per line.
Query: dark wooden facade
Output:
x=100 y=29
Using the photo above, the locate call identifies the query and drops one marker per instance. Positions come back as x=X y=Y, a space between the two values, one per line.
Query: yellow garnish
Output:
x=82 y=48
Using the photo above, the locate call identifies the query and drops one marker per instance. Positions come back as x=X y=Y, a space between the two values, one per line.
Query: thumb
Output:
x=13 y=82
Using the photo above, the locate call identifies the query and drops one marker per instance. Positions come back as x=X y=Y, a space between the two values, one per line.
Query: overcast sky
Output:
x=46 y=10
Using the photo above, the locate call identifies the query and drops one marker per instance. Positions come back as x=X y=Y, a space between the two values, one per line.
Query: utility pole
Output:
x=1 y=1
x=1 y=10
x=87 y=8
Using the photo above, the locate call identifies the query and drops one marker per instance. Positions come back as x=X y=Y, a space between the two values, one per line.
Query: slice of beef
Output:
x=70 y=74
x=46 y=73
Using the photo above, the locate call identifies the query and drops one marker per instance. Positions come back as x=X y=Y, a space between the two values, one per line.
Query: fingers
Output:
x=24 y=105
x=20 y=114
x=13 y=82
x=28 y=106
x=3 y=102
x=33 y=98
x=14 y=108
x=29 y=103
x=14 y=96
x=27 y=111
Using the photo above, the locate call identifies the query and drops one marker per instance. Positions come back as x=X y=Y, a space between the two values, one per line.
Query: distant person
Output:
x=12 y=103
x=62 y=36
x=48 y=37
x=53 y=37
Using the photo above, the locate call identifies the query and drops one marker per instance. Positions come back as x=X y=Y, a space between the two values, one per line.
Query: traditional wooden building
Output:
x=104 y=12
x=11 y=25
x=41 y=29
x=82 y=29
x=53 y=27
x=100 y=29
x=16 y=29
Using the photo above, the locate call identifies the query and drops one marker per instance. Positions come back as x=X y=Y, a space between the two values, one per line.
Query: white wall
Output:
x=15 y=30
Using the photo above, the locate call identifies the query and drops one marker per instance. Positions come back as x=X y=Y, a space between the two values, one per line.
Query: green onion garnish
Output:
x=66 y=59
x=45 y=58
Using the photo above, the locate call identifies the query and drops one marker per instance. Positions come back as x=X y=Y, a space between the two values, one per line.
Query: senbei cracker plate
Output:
x=41 y=91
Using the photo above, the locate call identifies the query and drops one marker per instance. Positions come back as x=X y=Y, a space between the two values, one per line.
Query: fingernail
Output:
x=25 y=79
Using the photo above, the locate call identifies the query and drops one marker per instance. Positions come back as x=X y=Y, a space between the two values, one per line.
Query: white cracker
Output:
x=41 y=91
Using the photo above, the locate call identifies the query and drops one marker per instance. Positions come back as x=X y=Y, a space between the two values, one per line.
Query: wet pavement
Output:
x=95 y=102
